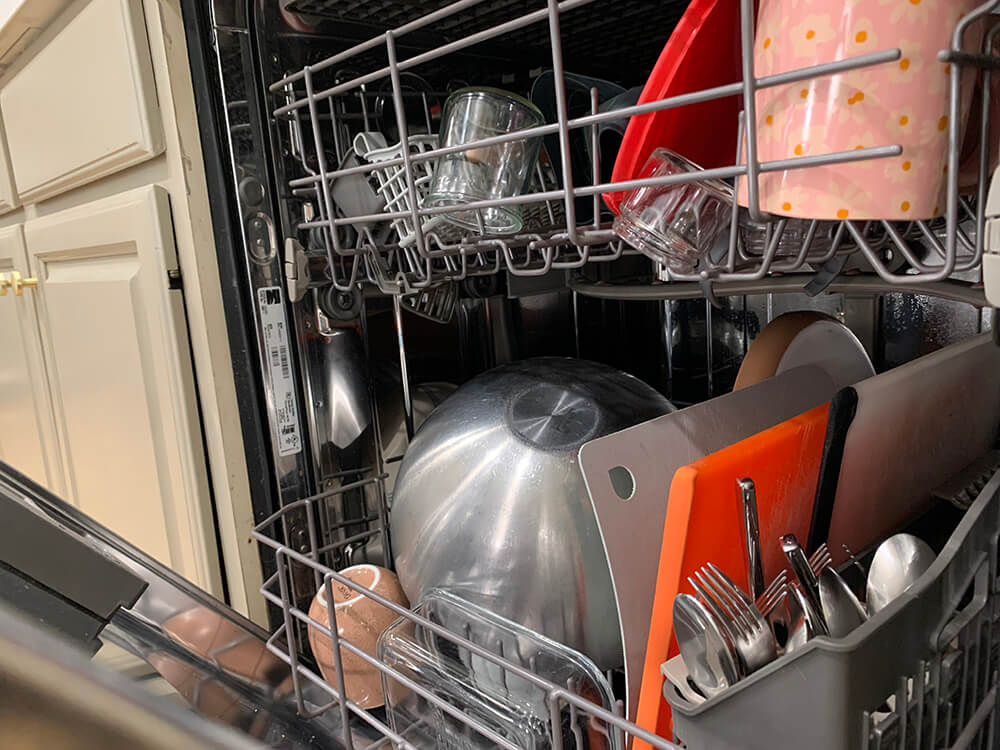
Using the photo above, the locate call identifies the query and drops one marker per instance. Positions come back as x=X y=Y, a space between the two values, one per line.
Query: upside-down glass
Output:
x=499 y=171
x=756 y=237
x=674 y=224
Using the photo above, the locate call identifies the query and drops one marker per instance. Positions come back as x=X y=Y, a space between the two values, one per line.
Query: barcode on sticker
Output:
x=274 y=331
x=279 y=358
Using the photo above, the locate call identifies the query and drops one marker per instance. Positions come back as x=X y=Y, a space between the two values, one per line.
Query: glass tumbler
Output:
x=498 y=171
x=674 y=224
x=756 y=237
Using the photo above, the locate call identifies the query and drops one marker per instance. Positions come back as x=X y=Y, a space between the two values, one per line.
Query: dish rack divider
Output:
x=954 y=244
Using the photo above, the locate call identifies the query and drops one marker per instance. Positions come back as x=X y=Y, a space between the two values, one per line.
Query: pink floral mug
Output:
x=904 y=102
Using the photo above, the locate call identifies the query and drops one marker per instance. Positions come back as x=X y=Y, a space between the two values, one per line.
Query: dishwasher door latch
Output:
x=296 y=269
x=991 y=254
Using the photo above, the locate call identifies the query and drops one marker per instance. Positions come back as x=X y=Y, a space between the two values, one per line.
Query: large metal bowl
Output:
x=491 y=504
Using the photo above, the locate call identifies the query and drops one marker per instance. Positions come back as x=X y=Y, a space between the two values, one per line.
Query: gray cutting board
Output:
x=633 y=530
x=914 y=427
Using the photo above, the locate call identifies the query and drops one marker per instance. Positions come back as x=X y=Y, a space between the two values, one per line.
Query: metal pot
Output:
x=491 y=504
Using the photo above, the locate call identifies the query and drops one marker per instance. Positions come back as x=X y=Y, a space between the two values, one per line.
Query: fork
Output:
x=746 y=625
x=820 y=559
x=774 y=592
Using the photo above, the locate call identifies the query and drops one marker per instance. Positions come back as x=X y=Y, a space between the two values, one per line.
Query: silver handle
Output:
x=800 y=567
x=751 y=528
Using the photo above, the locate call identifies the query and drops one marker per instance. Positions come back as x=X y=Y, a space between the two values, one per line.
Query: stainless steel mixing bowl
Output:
x=491 y=504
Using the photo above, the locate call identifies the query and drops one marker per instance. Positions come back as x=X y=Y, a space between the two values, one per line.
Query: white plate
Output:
x=833 y=348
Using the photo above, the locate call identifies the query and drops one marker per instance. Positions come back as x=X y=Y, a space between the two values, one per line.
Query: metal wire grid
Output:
x=589 y=38
x=285 y=644
x=432 y=259
x=400 y=268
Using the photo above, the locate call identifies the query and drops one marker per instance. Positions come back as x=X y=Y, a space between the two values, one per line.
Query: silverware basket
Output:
x=920 y=674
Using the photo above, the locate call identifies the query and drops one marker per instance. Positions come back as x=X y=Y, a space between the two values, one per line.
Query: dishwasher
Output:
x=501 y=278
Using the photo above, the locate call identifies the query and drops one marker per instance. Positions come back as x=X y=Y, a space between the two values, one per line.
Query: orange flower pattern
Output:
x=903 y=102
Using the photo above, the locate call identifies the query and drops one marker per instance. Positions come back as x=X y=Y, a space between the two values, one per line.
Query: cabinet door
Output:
x=8 y=193
x=27 y=441
x=115 y=343
x=25 y=22
x=85 y=106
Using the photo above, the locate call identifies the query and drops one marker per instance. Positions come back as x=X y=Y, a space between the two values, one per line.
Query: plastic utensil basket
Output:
x=921 y=673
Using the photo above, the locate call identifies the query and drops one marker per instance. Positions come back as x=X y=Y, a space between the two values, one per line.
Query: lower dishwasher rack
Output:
x=934 y=654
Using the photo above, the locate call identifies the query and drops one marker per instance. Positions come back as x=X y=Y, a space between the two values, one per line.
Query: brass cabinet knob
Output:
x=18 y=283
x=4 y=284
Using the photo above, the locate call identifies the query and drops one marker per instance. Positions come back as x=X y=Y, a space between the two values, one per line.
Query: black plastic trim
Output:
x=227 y=227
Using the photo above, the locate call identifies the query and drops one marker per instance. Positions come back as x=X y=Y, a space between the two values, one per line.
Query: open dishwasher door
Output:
x=52 y=696
x=62 y=570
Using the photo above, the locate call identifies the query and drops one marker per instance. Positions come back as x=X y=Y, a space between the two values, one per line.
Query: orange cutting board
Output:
x=705 y=523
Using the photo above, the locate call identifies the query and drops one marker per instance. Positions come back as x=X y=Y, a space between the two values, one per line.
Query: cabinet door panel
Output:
x=85 y=106
x=102 y=385
x=8 y=193
x=26 y=431
x=122 y=382
x=26 y=21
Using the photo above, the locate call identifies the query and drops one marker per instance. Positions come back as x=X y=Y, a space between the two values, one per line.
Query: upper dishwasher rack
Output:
x=322 y=106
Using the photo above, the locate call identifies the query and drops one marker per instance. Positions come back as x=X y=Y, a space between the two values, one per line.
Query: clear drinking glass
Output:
x=756 y=237
x=674 y=224
x=499 y=171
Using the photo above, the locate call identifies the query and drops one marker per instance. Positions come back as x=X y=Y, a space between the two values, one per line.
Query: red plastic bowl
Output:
x=703 y=52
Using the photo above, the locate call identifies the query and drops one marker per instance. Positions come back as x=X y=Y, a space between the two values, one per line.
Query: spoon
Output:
x=707 y=653
x=841 y=609
x=805 y=622
x=899 y=561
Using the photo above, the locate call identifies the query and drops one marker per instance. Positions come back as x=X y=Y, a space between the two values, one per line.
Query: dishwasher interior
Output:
x=336 y=114
x=383 y=285
x=466 y=305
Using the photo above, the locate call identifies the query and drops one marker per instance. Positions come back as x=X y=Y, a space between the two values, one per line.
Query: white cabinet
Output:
x=8 y=193
x=26 y=20
x=27 y=439
x=116 y=349
x=85 y=106
x=97 y=383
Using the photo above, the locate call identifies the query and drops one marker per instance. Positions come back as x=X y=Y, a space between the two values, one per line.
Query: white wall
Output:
x=7 y=8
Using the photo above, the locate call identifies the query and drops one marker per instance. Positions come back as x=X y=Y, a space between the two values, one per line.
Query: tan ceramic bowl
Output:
x=219 y=640
x=360 y=620
x=805 y=338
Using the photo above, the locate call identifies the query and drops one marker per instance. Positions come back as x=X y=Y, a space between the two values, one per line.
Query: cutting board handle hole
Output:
x=622 y=482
